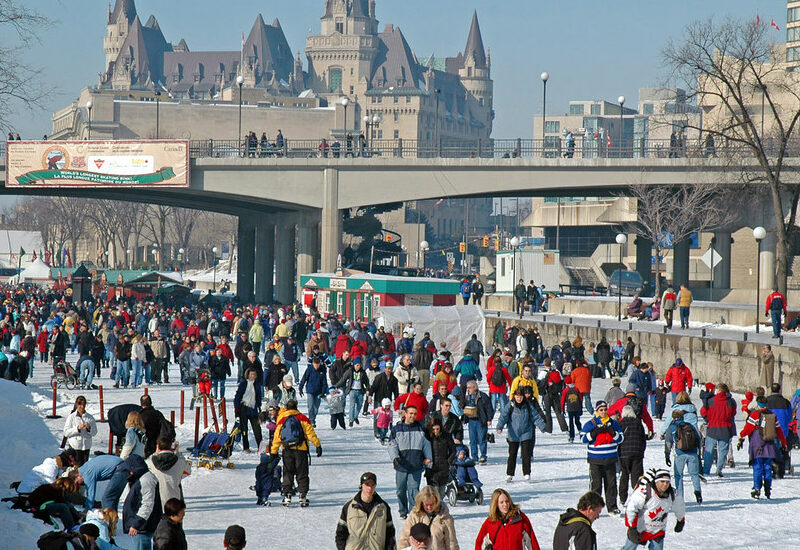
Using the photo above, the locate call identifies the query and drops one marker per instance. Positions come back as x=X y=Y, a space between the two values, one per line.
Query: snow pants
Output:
x=295 y=467
x=762 y=472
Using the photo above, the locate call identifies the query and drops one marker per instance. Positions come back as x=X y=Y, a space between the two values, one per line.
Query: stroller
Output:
x=64 y=375
x=214 y=447
x=463 y=470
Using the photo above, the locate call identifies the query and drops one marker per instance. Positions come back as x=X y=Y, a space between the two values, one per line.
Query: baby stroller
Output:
x=214 y=447
x=464 y=484
x=64 y=375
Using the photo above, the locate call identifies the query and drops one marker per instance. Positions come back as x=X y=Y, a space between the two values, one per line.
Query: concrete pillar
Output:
x=722 y=273
x=307 y=250
x=680 y=263
x=265 y=260
x=331 y=221
x=644 y=256
x=284 y=261
x=766 y=260
x=246 y=258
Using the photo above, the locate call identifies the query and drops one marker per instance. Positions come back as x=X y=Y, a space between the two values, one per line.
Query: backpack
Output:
x=572 y=403
x=60 y=540
x=687 y=438
x=292 y=434
x=497 y=376
x=166 y=429
x=637 y=405
x=776 y=304
x=767 y=426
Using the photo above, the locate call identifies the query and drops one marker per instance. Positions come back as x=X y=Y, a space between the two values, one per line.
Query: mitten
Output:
x=634 y=535
x=319 y=451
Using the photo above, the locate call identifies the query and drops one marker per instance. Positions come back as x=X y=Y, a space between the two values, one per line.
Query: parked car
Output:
x=630 y=281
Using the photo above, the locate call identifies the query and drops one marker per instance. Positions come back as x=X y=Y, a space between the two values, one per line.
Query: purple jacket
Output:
x=760 y=448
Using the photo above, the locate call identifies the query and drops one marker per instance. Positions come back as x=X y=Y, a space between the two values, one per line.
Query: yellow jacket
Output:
x=308 y=429
x=520 y=381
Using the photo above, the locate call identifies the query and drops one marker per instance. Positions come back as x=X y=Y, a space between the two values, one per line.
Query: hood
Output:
x=95 y=514
x=688 y=407
x=164 y=461
x=136 y=466
x=570 y=514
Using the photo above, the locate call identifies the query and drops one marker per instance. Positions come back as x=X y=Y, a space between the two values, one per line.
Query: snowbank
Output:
x=26 y=441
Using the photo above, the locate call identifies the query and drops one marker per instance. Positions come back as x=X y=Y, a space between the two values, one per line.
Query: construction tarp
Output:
x=453 y=325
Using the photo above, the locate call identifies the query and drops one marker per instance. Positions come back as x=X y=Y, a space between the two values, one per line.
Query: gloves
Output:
x=597 y=431
x=739 y=444
x=668 y=460
x=609 y=429
x=650 y=435
x=679 y=525
x=319 y=451
x=396 y=462
x=634 y=536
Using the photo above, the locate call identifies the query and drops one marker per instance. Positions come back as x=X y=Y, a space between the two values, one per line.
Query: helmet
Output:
x=386 y=402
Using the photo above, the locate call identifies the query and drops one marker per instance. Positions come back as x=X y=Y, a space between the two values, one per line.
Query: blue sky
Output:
x=591 y=49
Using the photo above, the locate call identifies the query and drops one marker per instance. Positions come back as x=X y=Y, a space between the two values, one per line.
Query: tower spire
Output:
x=474 y=48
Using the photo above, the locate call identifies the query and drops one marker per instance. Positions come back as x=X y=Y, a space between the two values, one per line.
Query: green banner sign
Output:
x=102 y=179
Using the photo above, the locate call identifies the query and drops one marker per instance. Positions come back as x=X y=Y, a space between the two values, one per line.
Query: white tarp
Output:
x=454 y=325
x=36 y=271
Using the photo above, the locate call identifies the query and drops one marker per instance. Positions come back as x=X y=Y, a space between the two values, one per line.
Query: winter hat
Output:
x=619 y=342
x=659 y=474
x=421 y=532
x=368 y=476
x=630 y=388
x=600 y=403
x=709 y=386
x=386 y=402
x=357 y=360
x=235 y=538
x=762 y=401
x=678 y=361
x=289 y=379
x=272 y=404
x=568 y=380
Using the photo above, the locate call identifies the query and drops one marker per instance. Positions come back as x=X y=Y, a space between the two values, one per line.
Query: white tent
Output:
x=454 y=325
x=36 y=272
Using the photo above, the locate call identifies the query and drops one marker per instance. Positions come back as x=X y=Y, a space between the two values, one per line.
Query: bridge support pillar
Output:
x=722 y=272
x=284 y=261
x=246 y=258
x=644 y=256
x=307 y=250
x=331 y=221
x=265 y=260
x=680 y=263
x=766 y=260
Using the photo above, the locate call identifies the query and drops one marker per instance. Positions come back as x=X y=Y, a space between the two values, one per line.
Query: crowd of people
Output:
x=433 y=412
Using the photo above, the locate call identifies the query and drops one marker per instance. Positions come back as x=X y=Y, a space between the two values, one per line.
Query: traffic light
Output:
x=485 y=242
x=462 y=247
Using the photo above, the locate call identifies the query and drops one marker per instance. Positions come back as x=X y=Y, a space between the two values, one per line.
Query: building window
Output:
x=596 y=109
x=647 y=108
x=396 y=99
x=351 y=90
x=351 y=71
x=396 y=134
x=380 y=99
x=340 y=27
x=576 y=109
x=793 y=34
x=502 y=267
x=408 y=99
x=374 y=99
x=793 y=54
x=552 y=126
x=336 y=80
x=396 y=116
x=793 y=14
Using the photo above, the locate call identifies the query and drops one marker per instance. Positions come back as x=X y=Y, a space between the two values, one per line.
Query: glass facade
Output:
x=576 y=109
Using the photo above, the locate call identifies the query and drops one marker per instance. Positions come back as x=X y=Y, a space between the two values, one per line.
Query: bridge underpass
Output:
x=305 y=197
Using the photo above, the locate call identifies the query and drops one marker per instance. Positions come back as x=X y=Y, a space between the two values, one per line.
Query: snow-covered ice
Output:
x=728 y=518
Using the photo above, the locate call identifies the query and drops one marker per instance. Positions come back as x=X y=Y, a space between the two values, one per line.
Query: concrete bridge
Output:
x=307 y=195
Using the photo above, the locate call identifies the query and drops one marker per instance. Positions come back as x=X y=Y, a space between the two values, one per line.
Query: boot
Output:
x=755 y=493
x=303 y=500
x=768 y=490
x=287 y=500
x=699 y=496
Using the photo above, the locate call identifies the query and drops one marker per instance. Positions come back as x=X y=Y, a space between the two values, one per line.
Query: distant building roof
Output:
x=395 y=64
x=474 y=47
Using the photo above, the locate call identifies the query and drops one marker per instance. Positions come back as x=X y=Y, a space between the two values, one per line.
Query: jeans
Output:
x=30 y=365
x=674 y=396
x=292 y=366
x=136 y=364
x=651 y=545
x=354 y=402
x=574 y=423
x=313 y=402
x=684 y=317
x=587 y=403
x=68 y=515
x=722 y=454
x=775 y=314
x=219 y=388
x=123 y=372
x=86 y=370
x=142 y=541
x=762 y=472
x=113 y=492
x=520 y=307
x=496 y=398
x=681 y=461
x=407 y=489
x=477 y=438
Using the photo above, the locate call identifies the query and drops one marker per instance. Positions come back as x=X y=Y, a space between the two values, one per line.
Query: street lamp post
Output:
x=423 y=247
x=545 y=77
x=89 y=105
x=621 y=100
x=436 y=93
x=758 y=233
x=344 y=101
x=214 y=283
x=128 y=257
x=180 y=261
x=367 y=123
x=376 y=120
x=240 y=83
x=621 y=239
x=514 y=246
x=158 y=104
x=155 y=257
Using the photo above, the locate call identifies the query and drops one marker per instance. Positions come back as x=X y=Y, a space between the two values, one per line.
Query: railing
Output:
x=583 y=148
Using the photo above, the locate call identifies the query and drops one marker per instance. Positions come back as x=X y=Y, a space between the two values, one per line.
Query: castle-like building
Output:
x=423 y=99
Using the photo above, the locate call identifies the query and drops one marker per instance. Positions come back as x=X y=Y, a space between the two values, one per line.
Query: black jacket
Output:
x=452 y=424
x=484 y=405
x=220 y=367
x=574 y=532
x=337 y=370
x=422 y=359
x=169 y=536
x=602 y=353
x=350 y=375
x=117 y=416
x=153 y=421
x=634 y=441
x=383 y=387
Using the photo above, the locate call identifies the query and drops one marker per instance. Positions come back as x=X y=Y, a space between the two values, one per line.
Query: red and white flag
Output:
x=242 y=39
x=774 y=24
x=438 y=202
x=758 y=20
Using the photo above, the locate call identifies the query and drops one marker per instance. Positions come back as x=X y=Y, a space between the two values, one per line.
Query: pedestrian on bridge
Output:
x=520 y=295
x=776 y=305
x=684 y=302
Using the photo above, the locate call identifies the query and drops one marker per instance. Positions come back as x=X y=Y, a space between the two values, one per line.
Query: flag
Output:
x=69 y=258
x=758 y=20
x=34 y=255
x=438 y=202
x=21 y=252
x=47 y=256
x=774 y=24
x=242 y=39
x=608 y=139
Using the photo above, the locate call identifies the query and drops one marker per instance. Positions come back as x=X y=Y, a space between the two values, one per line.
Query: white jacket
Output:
x=80 y=440
x=44 y=473
x=649 y=513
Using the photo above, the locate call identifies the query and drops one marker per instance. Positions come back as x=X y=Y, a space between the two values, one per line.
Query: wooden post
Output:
x=110 y=441
x=102 y=413
x=196 y=426
x=145 y=390
x=55 y=392
x=182 y=406
x=224 y=409
x=205 y=412
x=172 y=417
x=214 y=415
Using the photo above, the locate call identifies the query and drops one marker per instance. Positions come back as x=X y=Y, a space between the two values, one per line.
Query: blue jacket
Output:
x=689 y=416
x=466 y=289
x=315 y=381
x=603 y=446
x=469 y=368
x=408 y=447
x=643 y=383
x=520 y=421
x=142 y=508
x=782 y=409
x=99 y=468
x=237 y=400
x=672 y=437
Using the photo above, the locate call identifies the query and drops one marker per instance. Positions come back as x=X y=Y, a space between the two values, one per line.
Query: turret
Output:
x=117 y=28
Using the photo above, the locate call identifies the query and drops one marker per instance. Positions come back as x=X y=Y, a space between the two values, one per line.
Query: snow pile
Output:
x=26 y=441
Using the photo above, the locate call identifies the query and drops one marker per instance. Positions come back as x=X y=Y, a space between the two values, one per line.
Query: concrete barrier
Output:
x=711 y=360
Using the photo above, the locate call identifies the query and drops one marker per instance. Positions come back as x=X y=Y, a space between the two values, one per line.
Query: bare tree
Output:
x=732 y=70
x=130 y=224
x=156 y=223
x=182 y=223
x=667 y=215
x=19 y=82
x=102 y=215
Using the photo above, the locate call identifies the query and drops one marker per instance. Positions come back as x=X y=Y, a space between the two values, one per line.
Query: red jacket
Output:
x=193 y=330
x=772 y=296
x=719 y=413
x=506 y=376
x=342 y=343
x=226 y=351
x=41 y=341
x=616 y=410
x=678 y=378
x=412 y=399
x=506 y=536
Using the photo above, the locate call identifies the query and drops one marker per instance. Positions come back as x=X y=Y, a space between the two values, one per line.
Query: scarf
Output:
x=249 y=397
